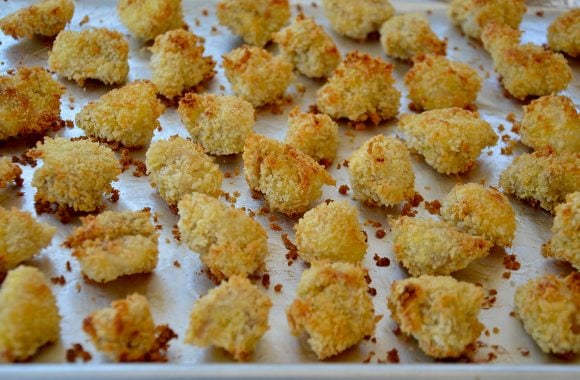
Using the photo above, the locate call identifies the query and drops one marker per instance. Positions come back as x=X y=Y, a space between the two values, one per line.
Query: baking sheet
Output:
x=172 y=290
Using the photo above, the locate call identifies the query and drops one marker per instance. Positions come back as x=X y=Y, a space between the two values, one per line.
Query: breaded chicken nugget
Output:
x=436 y=82
x=564 y=33
x=220 y=124
x=542 y=178
x=115 y=244
x=75 y=174
x=45 y=18
x=308 y=47
x=127 y=115
x=407 y=35
x=528 y=69
x=178 y=64
x=29 y=316
x=549 y=308
x=357 y=18
x=29 y=102
x=450 y=139
x=98 y=53
x=551 y=121
x=427 y=246
x=439 y=312
x=256 y=76
x=289 y=179
x=332 y=307
x=228 y=241
x=253 y=20
x=360 y=88
x=9 y=172
x=565 y=244
x=381 y=172
x=147 y=19
x=472 y=15
x=177 y=167
x=233 y=316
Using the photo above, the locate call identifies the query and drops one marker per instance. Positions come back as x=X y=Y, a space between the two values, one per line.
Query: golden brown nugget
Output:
x=564 y=33
x=21 y=237
x=308 y=47
x=449 y=139
x=565 y=244
x=256 y=76
x=45 y=18
x=178 y=64
x=381 y=172
x=147 y=19
x=233 y=316
x=407 y=35
x=542 y=178
x=127 y=115
x=29 y=102
x=481 y=211
x=549 y=308
x=473 y=15
x=436 y=82
x=29 y=317
x=289 y=179
x=525 y=70
x=357 y=19
x=253 y=20
x=439 y=312
x=177 y=167
x=551 y=121
x=115 y=244
x=360 y=88
x=98 y=53
x=427 y=246
x=9 y=172
x=74 y=174
x=220 y=124
x=229 y=242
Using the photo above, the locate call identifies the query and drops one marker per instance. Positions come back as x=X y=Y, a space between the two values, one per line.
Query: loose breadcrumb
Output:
x=357 y=18
x=564 y=33
x=313 y=134
x=147 y=19
x=565 y=244
x=9 y=172
x=45 y=18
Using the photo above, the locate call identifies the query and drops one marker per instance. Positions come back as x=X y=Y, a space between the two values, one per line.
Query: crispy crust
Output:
x=357 y=18
x=565 y=244
x=564 y=33
x=9 y=172
x=147 y=19
x=45 y=18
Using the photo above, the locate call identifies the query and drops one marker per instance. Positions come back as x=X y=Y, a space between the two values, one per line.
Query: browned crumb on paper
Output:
x=408 y=210
x=266 y=280
x=58 y=280
x=177 y=264
x=176 y=233
x=511 y=262
x=68 y=266
x=369 y=357
x=381 y=261
x=292 y=254
x=433 y=207
x=372 y=291
x=63 y=213
x=158 y=353
x=343 y=189
x=128 y=161
x=114 y=196
x=380 y=233
x=416 y=200
x=77 y=352
x=540 y=13
x=24 y=159
x=278 y=288
x=84 y=20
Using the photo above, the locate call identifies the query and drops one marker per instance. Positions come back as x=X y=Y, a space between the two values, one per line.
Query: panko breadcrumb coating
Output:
x=427 y=246
x=313 y=134
x=233 y=316
x=45 y=18
x=98 y=53
x=549 y=308
x=439 y=312
x=289 y=179
x=360 y=88
x=357 y=18
x=551 y=121
x=528 y=69
x=543 y=178
x=127 y=115
x=228 y=241
x=436 y=82
x=565 y=244
x=450 y=139
x=115 y=244
x=256 y=76
x=74 y=174
x=253 y=20
x=381 y=172
x=29 y=316
x=407 y=35
x=178 y=64
x=308 y=47
x=177 y=167
x=331 y=232
x=220 y=124
x=564 y=33
x=9 y=172
x=29 y=102
x=472 y=15
x=147 y=19
x=332 y=307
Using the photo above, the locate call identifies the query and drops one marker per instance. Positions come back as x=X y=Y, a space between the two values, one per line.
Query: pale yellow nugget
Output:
x=44 y=18
x=564 y=33
x=565 y=244
x=147 y=19
x=9 y=172
x=357 y=18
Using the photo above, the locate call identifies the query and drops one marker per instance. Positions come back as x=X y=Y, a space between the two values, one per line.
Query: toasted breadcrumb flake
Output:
x=357 y=18
x=9 y=172
x=564 y=33
x=565 y=244
x=147 y=19
x=313 y=134
x=44 y=18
